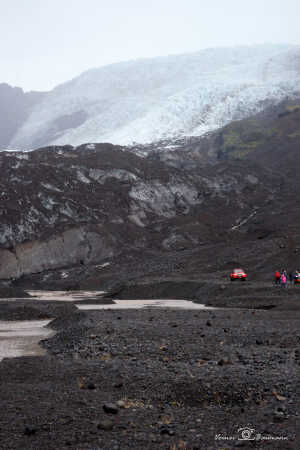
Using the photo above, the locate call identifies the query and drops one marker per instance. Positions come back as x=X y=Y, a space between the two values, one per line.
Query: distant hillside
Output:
x=270 y=138
x=15 y=106
x=147 y=100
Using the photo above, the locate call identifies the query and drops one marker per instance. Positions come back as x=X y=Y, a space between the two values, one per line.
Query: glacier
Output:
x=170 y=97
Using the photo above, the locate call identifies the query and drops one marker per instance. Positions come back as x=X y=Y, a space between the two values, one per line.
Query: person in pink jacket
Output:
x=283 y=279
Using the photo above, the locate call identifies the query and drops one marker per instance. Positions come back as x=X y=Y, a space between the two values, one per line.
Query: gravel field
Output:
x=155 y=378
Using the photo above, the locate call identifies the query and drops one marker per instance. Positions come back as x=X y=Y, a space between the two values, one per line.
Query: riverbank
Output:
x=176 y=379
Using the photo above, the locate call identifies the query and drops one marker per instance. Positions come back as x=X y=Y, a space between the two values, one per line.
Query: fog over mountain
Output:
x=15 y=106
x=167 y=97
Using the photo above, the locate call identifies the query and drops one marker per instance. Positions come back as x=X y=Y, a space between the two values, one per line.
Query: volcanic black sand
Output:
x=159 y=378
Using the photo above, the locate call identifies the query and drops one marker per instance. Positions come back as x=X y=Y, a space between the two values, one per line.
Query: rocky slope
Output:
x=168 y=97
x=62 y=205
x=81 y=215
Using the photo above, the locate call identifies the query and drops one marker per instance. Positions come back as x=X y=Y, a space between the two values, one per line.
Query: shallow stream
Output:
x=138 y=304
x=21 y=338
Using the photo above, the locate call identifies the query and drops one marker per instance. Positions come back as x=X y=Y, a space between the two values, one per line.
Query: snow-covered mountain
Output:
x=167 y=97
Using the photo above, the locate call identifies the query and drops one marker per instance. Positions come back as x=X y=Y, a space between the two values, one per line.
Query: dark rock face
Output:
x=73 y=246
x=15 y=106
x=63 y=205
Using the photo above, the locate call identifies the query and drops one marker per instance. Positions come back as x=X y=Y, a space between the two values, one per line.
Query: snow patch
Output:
x=51 y=187
x=82 y=177
x=120 y=174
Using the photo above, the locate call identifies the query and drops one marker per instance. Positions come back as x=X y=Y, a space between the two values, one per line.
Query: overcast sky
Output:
x=47 y=42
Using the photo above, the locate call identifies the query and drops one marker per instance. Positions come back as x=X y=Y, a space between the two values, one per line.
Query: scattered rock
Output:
x=106 y=425
x=279 y=397
x=110 y=408
x=29 y=431
x=118 y=384
x=201 y=385
x=224 y=361
x=166 y=430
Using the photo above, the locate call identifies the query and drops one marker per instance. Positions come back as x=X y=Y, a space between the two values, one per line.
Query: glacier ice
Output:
x=148 y=100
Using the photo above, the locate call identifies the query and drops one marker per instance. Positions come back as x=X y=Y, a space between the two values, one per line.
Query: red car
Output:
x=238 y=274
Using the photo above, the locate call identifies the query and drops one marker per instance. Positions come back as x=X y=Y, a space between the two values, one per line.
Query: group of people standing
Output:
x=282 y=277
